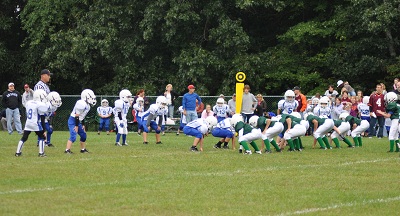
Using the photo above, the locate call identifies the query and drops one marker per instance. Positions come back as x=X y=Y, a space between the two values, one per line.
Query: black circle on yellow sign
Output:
x=240 y=76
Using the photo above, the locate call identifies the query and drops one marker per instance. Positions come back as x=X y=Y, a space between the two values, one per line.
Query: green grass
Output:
x=167 y=179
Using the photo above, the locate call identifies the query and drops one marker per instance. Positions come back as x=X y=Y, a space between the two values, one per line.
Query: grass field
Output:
x=167 y=179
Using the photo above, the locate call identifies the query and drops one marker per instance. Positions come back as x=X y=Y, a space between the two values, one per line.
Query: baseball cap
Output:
x=191 y=87
x=340 y=82
x=221 y=95
x=296 y=88
x=45 y=71
x=234 y=94
x=26 y=86
x=11 y=84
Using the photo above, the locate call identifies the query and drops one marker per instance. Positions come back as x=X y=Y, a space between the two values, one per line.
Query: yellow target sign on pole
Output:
x=240 y=78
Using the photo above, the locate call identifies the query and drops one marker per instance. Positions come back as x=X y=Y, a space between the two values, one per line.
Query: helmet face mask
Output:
x=390 y=97
x=104 y=103
x=289 y=96
x=220 y=102
x=211 y=122
x=161 y=101
x=89 y=97
x=54 y=99
x=40 y=95
x=125 y=95
x=140 y=101
x=253 y=121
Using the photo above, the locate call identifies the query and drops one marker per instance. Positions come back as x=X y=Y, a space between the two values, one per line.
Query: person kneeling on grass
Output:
x=392 y=112
x=246 y=133
x=225 y=131
x=199 y=128
x=75 y=121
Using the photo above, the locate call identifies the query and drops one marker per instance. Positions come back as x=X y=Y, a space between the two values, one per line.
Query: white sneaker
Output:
x=258 y=152
x=118 y=144
x=248 y=152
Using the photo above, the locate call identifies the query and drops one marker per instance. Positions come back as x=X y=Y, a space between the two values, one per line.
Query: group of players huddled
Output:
x=279 y=131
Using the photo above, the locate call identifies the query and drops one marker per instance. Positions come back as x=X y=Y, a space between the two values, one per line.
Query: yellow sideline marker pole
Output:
x=240 y=77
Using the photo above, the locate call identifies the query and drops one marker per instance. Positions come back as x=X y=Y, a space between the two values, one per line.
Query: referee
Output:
x=44 y=80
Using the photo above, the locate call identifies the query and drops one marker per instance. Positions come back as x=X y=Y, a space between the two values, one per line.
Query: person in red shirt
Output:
x=377 y=102
x=301 y=99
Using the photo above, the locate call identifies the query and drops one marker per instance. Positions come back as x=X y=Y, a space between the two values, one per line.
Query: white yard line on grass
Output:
x=341 y=205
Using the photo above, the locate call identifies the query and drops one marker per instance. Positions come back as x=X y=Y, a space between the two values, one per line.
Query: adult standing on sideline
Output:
x=301 y=99
x=170 y=95
x=146 y=102
x=248 y=104
x=43 y=83
x=189 y=104
x=27 y=96
x=331 y=93
x=12 y=101
x=346 y=85
x=377 y=102
x=232 y=105
x=397 y=91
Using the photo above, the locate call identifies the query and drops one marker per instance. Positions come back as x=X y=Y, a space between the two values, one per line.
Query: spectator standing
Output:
x=170 y=95
x=350 y=90
x=232 y=104
x=397 y=91
x=199 y=108
x=345 y=98
x=146 y=102
x=261 y=107
x=27 y=96
x=396 y=80
x=331 y=93
x=189 y=104
x=354 y=104
x=301 y=99
x=207 y=112
x=376 y=102
x=248 y=103
x=12 y=101
x=337 y=109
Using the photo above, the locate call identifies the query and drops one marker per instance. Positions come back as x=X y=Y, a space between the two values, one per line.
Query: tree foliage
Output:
x=115 y=44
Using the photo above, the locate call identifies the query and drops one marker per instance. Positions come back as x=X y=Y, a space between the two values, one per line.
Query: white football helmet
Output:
x=140 y=100
x=253 y=121
x=54 y=99
x=89 y=97
x=125 y=95
x=343 y=116
x=289 y=96
x=390 y=97
x=324 y=102
x=40 y=95
x=104 y=103
x=235 y=119
x=315 y=101
x=161 y=101
x=220 y=101
x=296 y=114
x=211 y=122
x=365 y=99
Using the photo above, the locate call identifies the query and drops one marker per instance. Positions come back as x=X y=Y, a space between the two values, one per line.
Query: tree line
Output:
x=107 y=45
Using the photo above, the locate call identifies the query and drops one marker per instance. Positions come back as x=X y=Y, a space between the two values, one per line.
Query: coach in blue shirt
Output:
x=189 y=104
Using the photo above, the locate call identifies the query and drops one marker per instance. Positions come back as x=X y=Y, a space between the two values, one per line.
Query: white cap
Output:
x=340 y=82
x=11 y=84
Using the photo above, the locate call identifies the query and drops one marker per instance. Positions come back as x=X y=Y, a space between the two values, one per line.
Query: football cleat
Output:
x=267 y=151
x=159 y=142
x=240 y=151
x=68 y=151
x=84 y=151
x=217 y=146
x=42 y=155
x=49 y=145
x=248 y=152
x=145 y=143
x=258 y=152
x=18 y=154
x=193 y=149
x=125 y=144
x=225 y=147
x=118 y=144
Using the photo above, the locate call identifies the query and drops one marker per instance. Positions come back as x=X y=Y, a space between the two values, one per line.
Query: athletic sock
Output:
x=20 y=145
x=41 y=146
x=391 y=149
x=226 y=143
x=296 y=144
x=300 y=143
x=291 y=145
x=245 y=146
x=347 y=141
x=320 y=142
x=326 y=141
x=360 y=141
x=355 y=139
x=267 y=145
x=273 y=142
x=336 y=141
x=123 y=138
x=252 y=143
x=118 y=137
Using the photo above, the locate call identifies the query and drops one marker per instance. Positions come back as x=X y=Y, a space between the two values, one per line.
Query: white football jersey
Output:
x=153 y=109
x=161 y=113
x=287 y=107
x=34 y=109
x=50 y=111
x=104 y=110
x=226 y=124
x=122 y=107
x=363 y=109
x=221 y=111
x=199 y=124
x=81 y=108
x=319 y=111
x=139 y=109
x=183 y=117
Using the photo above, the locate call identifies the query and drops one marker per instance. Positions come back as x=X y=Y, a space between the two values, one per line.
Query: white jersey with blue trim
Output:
x=225 y=124
x=50 y=111
x=287 y=107
x=199 y=124
x=139 y=109
x=319 y=111
x=153 y=109
x=42 y=85
x=34 y=109
x=221 y=111
x=81 y=108
x=183 y=117
x=104 y=110
x=161 y=113
x=121 y=107
x=363 y=109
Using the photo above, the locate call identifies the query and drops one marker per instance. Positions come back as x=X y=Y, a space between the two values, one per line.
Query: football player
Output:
x=289 y=104
x=104 y=111
x=392 y=112
x=120 y=111
x=182 y=121
x=199 y=128
x=270 y=128
x=76 y=120
x=221 y=110
x=323 y=108
x=246 y=133
x=225 y=131
x=35 y=111
x=155 y=110
x=54 y=102
x=292 y=130
x=364 y=111
x=140 y=111
x=321 y=127
x=340 y=130
x=357 y=125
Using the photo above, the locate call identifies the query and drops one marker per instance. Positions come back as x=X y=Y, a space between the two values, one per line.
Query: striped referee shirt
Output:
x=42 y=85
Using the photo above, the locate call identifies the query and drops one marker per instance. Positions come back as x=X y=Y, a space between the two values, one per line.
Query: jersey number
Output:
x=30 y=114
x=379 y=102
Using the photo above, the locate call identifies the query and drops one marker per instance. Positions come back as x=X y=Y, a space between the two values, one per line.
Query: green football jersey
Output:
x=320 y=121
x=393 y=109
x=246 y=128
x=337 y=122
x=262 y=122
x=283 y=120
x=353 y=120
